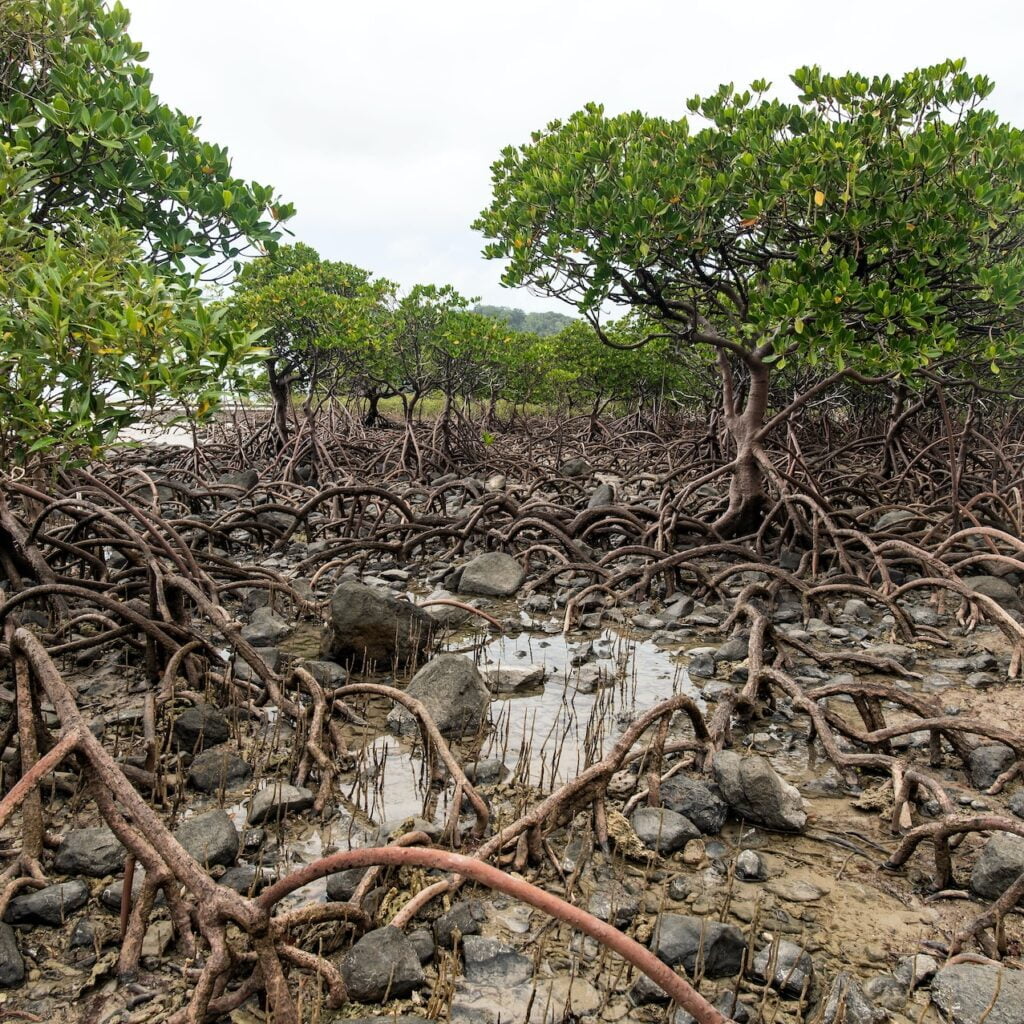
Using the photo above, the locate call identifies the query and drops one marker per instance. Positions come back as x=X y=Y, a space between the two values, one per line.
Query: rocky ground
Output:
x=762 y=879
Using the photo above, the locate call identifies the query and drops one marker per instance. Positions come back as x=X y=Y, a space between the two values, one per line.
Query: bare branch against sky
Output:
x=380 y=120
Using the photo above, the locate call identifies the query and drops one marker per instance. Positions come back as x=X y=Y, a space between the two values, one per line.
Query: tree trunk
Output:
x=280 y=393
x=747 y=497
x=372 y=416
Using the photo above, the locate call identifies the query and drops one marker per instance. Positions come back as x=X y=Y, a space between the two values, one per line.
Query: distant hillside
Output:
x=543 y=324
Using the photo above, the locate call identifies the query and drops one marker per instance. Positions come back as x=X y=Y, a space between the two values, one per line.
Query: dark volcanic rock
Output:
x=692 y=799
x=382 y=965
x=490 y=962
x=211 y=838
x=1001 y=863
x=368 y=624
x=93 y=852
x=988 y=761
x=12 y=967
x=452 y=691
x=463 y=919
x=677 y=940
x=52 y=905
x=663 y=830
x=610 y=901
x=199 y=727
x=218 y=768
x=264 y=628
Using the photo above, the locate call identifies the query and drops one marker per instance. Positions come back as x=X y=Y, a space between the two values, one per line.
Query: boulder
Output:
x=12 y=966
x=888 y=520
x=1000 y=864
x=753 y=790
x=369 y=624
x=264 y=628
x=691 y=798
x=382 y=965
x=678 y=938
x=610 y=901
x=576 y=468
x=453 y=692
x=211 y=838
x=793 y=968
x=342 y=884
x=216 y=769
x=847 y=1003
x=52 y=905
x=493 y=574
x=1001 y=591
x=513 y=678
x=247 y=479
x=198 y=727
x=967 y=992
x=463 y=919
x=276 y=800
x=490 y=962
x=663 y=830
x=93 y=852
x=988 y=761
x=750 y=867
x=604 y=494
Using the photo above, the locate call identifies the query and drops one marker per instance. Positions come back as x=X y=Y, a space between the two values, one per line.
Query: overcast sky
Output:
x=380 y=120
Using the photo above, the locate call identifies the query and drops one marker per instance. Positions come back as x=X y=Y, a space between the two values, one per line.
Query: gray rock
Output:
x=423 y=942
x=885 y=991
x=914 y=971
x=493 y=574
x=858 y=610
x=211 y=838
x=247 y=479
x=750 y=867
x=463 y=919
x=691 y=798
x=890 y=519
x=964 y=992
x=794 y=969
x=387 y=831
x=754 y=791
x=264 y=628
x=342 y=884
x=218 y=768
x=847 y=1003
x=366 y=624
x=612 y=902
x=1001 y=591
x=734 y=649
x=726 y=1004
x=382 y=965
x=604 y=494
x=988 y=761
x=453 y=692
x=1000 y=864
x=1016 y=803
x=486 y=772
x=12 y=966
x=277 y=800
x=490 y=962
x=247 y=879
x=678 y=938
x=512 y=678
x=326 y=673
x=663 y=830
x=52 y=905
x=198 y=727
x=576 y=468
x=93 y=852
x=906 y=656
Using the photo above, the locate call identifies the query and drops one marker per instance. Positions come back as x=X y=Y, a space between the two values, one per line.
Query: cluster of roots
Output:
x=146 y=553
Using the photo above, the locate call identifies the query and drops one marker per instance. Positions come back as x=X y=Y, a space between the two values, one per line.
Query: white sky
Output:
x=380 y=120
